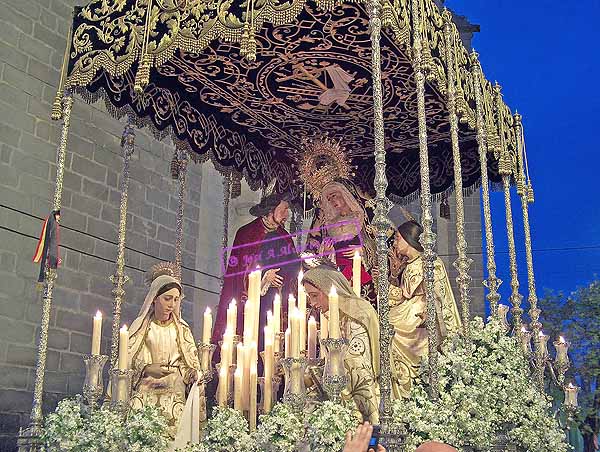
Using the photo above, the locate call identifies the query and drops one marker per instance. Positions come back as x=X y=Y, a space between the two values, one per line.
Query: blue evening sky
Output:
x=546 y=57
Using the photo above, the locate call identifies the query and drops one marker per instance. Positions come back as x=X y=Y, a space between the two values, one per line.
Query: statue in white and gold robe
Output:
x=408 y=309
x=358 y=324
x=170 y=345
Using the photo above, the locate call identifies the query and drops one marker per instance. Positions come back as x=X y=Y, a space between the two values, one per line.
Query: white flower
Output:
x=485 y=388
x=327 y=426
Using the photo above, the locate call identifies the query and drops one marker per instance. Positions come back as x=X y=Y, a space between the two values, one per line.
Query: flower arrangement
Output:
x=327 y=426
x=282 y=429
x=69 y=429
x=485 y=389
x=227 y=431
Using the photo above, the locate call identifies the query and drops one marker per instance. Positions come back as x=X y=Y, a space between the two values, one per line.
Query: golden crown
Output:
x=322 y=162
x=163 y=268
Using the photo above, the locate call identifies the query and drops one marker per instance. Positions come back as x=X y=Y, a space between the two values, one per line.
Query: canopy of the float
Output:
x=244 y=83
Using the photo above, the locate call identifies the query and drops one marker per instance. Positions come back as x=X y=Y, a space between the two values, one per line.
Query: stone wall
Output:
x=32 y=40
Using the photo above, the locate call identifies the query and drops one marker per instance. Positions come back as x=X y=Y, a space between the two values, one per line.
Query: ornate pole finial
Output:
x=183 y=160
x=119 y=278
x=463 y=262
x=142 y=76
x=428 y=237
x=534 y=311
x=505 y=167
x=31 y=435
x=492 y=282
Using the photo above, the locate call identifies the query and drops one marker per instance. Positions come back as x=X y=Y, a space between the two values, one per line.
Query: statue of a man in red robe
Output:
x=262 y=243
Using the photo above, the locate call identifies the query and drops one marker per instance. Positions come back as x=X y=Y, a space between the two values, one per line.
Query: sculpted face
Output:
x=165 y=304
x=401 y=246
x=316 y=297
x=337 y=201
x=281 y=212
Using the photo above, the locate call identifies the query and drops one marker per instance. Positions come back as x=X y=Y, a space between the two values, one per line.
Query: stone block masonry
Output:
x=32 y=40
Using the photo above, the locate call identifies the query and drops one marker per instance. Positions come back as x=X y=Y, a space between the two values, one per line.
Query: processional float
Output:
x=243 y=84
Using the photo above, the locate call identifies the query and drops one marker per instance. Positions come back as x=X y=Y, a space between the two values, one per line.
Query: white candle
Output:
x=96 y=333
x=248 y=321
x=277 y=322
x=295 y=334
x=222 y=391
x=503 y=313
x=312 y=338
x=268 y=374
x=232 y=316
x=287 y=343
x=253 y=390
x=562 y=348
x=334 y=314
x=543 y=344
x=256 y=303
x=241 y=366
x=291 y=307
x=324 y=326
x=207 y=326
x=302 y=308
x=356 y=267
x=227 y=348
x=123 y=346
x=571 y=392
x=525 y=340
x=238 y=378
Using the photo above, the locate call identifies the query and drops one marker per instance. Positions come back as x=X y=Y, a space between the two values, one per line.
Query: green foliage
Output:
x=577 y=318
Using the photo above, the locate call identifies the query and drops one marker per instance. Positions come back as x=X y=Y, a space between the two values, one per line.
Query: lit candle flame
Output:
x=333 y=291
x=98 y=315
x=123 y=329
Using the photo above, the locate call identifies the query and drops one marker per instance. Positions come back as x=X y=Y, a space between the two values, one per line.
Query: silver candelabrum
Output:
x=294 y=393
x=121 y=389
x=93 y=385
x=206 y=352
x=335 y=377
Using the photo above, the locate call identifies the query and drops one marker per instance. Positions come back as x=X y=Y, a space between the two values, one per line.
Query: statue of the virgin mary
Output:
x=164 y=357
x=342 y=216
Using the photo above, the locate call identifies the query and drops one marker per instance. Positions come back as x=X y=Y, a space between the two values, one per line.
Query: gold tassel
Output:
x=521 y=187
x=505 y=165
x=244 y=42
x=251 y=56
x=142 y=76
x=386 y=15
x=57 y=108
x=530 y=195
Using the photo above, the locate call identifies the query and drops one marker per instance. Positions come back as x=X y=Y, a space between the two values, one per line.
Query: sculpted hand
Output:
x=157 y=371
x=326 y=246
x=350 y=253
x=272 y=278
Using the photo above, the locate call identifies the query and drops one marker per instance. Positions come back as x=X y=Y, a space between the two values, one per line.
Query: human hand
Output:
x=193 y=377
x=359 y=441
x=272 y=278
x=156 y=370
